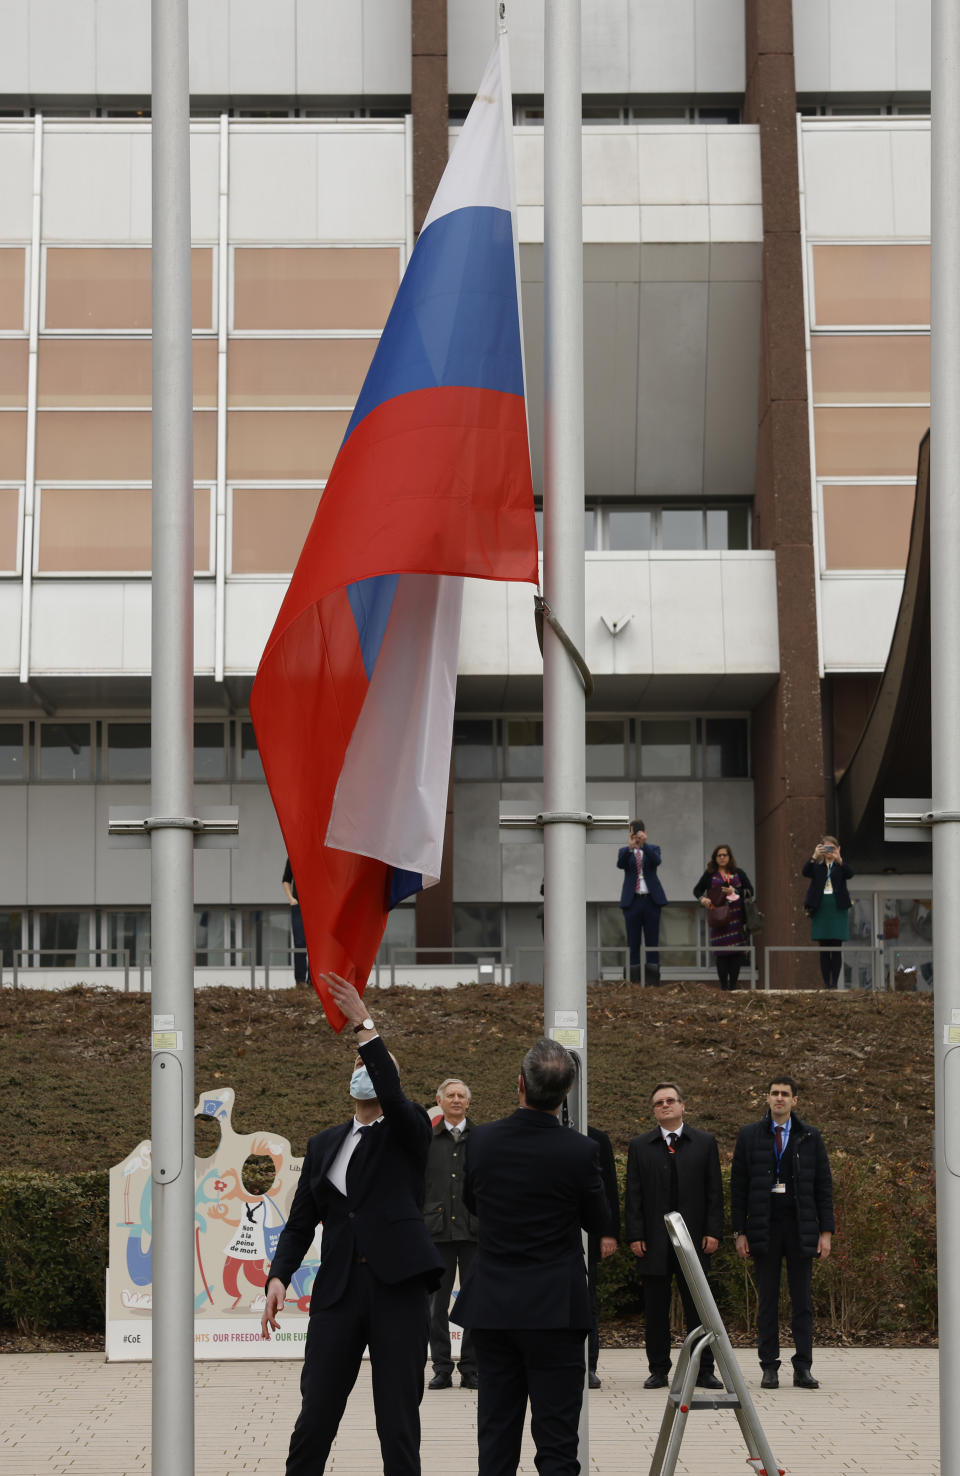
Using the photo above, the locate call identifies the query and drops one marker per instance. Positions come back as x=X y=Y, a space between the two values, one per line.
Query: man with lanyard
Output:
x=781 y=1199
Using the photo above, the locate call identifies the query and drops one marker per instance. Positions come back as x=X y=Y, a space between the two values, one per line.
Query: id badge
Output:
x=779 y=1188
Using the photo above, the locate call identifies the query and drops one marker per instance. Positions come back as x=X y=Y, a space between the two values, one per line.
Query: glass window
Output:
x=524 y=748
x=65 y=751
x=11 y=751
x=718 y=115
x=267 y=932
x=869 y=441
x=681 y=527
x=601 y=114
x=728 y=527
x=64 y=939
x=611 y=959
x=475 y=925
x=401 y=933
x=108 y=530
x=589 y=527
x=606 y=748
x=209 y=751
x=130 y=931
x=14 y=355
x=11 y=935
x=128 y=752
x=665 y=748
x=251 y=764
x=652 y=116
x=629 y=528
x=726 y=749
x=473 y=748
x=210 y=938
x=101 y=287
x=678 y=935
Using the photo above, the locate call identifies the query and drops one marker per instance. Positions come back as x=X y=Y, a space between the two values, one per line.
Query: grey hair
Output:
x=548 y=1071
x=449 y=1081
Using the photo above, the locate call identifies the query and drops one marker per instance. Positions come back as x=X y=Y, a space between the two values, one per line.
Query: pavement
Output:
x=875 y=1413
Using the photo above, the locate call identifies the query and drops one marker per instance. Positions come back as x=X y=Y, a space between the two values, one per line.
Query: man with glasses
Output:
x=781 y=1198
x=674 y=1167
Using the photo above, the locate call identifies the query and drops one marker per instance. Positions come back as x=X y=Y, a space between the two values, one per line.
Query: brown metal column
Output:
x=787 y=726
x=429 y=106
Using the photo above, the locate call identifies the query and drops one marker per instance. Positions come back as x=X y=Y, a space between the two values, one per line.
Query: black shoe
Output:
x=656 y=1381
x=593 y=1380
x=441 y=1381
x=709 y=1381
x=803 y=1379
x=468 y=1381
x=770 y=1379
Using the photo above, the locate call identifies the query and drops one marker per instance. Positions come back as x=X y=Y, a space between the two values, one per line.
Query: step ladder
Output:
x=684 y=1397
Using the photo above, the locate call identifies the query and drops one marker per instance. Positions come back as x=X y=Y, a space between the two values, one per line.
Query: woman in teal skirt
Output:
x=827 y=904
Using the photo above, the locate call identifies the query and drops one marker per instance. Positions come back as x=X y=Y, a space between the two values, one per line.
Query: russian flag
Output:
x=353 y=700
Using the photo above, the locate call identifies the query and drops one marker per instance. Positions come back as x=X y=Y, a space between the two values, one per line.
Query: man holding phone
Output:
x=641 y=897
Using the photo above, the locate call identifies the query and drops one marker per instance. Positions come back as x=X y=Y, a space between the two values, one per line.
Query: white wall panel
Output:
x=857 y=620
x=15 y=51
x=262 y=47
x=733 y=162
x=16 y=195
x=811 y=45
x=10 y=604
x=360 y=186
x=719 y=32
x=605 y=46
x=13 y=852
x=848 y=182
x=618 y=589
x=662 y=46
x=736 y=223
x=910 y=169
x=62 y=46
x=673 y=167
x=523 y=649
x=122 y=873
x=209 y=53
x=77 y=626
x=204 y=596
x=913 y=45
x=471 y=32
x=484 y=642
x=273 y=185
x=122 y=47
x=862 y=46
x=683 y=589
x=610 y=166
x=526 y=46
x=751 y=640
x=89 y=186
x=256 y=863
x=251 y=608
x=205 y=184
x=136 y=626
x=61 y=845
x=329 y=47
x=386 y=46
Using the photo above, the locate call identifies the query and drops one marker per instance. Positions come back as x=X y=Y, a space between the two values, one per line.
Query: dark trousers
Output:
x=728 y=968
x=456 y=1255
x=656 y=1302
x=392 y=1321
x=642 y=920
x=300 y=970
x=593 y=1342
x=784 y=1245
x=831 y=962
x=546 y=1365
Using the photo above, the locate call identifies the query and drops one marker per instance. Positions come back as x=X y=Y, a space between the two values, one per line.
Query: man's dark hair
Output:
x=636 y=825
x=671 y=1084
x=548 y=1072
x=783 y=1081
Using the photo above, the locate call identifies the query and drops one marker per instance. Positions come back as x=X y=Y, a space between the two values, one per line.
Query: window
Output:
x=63 y=939
x=524 y=748
x=476 y=925
x=65 y=751
x=728 y=527
x=11 y=751
x=726 y=749
x=11 y=935
x=128 y=931
x=251 y=764
x=682 y=527
x=266 y=933
x=665 y=748
x=210 y=938
x=606 y=748
x=127 y=752
x=626 y=527
x=400 y=933
x=629 y=527
x=474 y=755
x=209 y=752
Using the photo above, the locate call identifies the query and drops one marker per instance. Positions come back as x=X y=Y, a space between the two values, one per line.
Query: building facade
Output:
x=756 y=263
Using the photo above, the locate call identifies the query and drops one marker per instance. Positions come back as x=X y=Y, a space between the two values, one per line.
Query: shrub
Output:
x=53 y=1249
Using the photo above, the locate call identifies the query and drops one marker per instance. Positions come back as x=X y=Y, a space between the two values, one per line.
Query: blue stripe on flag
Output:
x=455 y=319
x=403 y=884
x=371 y=601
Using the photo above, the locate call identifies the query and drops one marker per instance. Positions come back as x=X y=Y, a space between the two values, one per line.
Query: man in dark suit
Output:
x=641 y=897
x=364 y=1181
x=452 y=1228
x=675 y=1167
x=781 y=1200
x=532 y=1185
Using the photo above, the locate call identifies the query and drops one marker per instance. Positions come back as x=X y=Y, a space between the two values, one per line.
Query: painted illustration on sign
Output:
x=240 y=1208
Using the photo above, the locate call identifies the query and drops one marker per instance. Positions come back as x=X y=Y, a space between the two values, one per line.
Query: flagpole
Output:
x=945 y=689
x=171 y=830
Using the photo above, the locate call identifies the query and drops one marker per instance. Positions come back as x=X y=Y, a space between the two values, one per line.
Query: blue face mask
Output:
x=362 y=1088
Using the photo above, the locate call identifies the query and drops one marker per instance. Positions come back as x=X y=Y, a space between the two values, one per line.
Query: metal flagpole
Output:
x=171 y=829
x=945 y=690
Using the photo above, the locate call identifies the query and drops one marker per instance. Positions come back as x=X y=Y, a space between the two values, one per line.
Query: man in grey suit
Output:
x=533 y=1186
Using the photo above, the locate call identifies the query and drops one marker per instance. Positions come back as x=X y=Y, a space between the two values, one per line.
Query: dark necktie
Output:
x=672 y=1142
x=674 y=1183
x=353 y=1167
x=778 y=1133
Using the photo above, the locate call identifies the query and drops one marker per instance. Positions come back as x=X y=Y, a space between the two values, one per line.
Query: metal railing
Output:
x=92 y=960
x=486 y=960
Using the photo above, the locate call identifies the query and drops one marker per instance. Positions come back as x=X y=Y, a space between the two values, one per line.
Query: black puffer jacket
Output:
x=754 y=1173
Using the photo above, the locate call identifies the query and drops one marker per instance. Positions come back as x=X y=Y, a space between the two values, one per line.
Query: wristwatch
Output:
x=366 y=1024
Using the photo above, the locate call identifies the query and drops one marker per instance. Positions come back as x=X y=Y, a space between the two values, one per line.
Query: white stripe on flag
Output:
x=476 y=173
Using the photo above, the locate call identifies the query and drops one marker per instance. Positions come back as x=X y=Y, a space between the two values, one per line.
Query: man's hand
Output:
x=639 y=1247
x=347 y=1001
x=276 y=1296
x=608 y=1246
x=824 y=1244
x=743 y=1247
x=709 y=1244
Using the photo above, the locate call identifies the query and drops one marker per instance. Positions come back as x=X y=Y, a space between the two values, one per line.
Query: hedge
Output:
x=880 y=1281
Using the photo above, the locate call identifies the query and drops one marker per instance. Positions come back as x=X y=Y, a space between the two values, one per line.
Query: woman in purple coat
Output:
x=724 y=883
